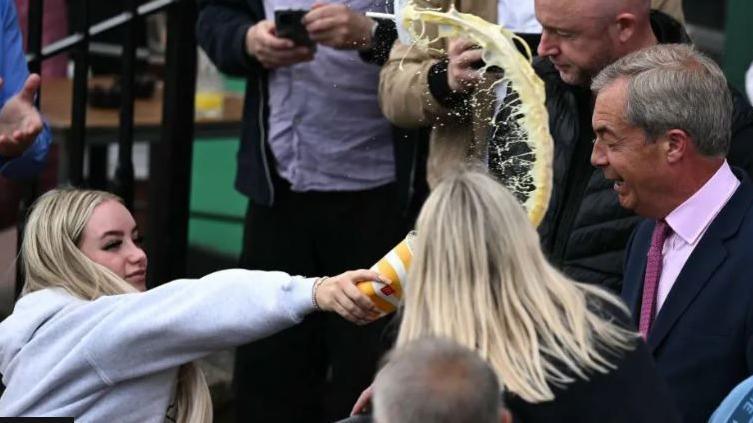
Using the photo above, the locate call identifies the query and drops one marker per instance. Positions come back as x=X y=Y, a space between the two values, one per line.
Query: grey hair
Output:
x=673 y=86
x=436 y=380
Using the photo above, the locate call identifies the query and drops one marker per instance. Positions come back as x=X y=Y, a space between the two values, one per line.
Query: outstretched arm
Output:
x=178 y=322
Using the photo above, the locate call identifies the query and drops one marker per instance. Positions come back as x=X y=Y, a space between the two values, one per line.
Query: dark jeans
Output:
x=316 y=370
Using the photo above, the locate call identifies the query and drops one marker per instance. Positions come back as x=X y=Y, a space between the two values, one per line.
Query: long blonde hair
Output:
x=479 y=277
x=51 y=258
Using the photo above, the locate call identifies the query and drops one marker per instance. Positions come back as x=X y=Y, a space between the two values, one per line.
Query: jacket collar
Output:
x=667 y=30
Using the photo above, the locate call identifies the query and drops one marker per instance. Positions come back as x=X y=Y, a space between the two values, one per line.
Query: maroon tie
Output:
x=653 y=273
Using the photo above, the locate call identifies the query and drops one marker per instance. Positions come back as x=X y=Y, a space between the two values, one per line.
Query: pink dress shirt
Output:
x=689 y=221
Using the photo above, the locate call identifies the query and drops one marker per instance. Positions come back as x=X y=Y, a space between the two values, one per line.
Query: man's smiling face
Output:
x=625 y=155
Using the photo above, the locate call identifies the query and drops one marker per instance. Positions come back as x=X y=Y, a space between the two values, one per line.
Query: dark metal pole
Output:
x=124 y=180
x=97 y=158
x=34 y=38
x=34 y=46
x=76 y=141
x=170 y=159
x=70 y=42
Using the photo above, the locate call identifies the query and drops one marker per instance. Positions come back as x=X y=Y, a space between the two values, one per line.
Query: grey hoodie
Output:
x=116 y=359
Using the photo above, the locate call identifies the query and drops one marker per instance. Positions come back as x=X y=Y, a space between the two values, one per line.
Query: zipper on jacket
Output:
x=411 y=178
x=263 y=142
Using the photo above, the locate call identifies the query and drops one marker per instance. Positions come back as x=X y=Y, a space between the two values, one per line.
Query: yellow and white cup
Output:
x=393 y=267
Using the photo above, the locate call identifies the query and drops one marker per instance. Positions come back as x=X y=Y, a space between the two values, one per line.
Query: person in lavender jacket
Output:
x=317 y=163
x=86 y=341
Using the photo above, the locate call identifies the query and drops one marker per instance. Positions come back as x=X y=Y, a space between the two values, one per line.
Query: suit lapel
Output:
x=703 y=262
x=698 y=270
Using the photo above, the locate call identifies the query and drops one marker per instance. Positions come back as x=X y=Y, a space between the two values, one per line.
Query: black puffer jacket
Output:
x=585 y=230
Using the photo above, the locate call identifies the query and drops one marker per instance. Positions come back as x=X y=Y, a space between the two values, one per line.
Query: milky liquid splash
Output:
x=522 y=161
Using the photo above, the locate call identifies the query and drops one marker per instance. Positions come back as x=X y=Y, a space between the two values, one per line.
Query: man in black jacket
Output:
x=585 y=230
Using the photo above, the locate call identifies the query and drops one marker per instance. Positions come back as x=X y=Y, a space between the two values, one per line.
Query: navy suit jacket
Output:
x=702 y=337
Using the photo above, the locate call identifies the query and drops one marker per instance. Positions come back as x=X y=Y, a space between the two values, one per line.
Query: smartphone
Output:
x=289 y=24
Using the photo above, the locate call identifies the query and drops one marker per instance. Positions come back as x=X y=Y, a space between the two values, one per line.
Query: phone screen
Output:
x=289 y=25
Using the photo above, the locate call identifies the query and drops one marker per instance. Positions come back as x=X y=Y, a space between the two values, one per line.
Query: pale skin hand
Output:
x=337 y=26
x=271 y=51
x=461 y=76
x=20 y=121
x=340 y=294
x=363 y=401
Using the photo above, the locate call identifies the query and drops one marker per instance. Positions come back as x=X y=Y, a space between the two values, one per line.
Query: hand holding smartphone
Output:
x=289 y=24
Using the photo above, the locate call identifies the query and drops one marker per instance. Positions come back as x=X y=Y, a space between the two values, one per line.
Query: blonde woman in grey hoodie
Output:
x=86 y=340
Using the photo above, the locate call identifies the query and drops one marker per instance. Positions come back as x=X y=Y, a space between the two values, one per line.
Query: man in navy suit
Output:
x=662 y=124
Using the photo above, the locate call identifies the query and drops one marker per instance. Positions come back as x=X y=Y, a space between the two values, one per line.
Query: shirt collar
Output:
x=691 y=218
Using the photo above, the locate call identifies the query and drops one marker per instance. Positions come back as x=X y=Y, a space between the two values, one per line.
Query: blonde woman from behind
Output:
x=563 y=351
x=85 y=341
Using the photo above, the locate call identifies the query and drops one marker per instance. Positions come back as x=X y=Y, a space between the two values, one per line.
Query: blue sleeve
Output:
x=737 y=406
x=32 y=161
x=14 y=72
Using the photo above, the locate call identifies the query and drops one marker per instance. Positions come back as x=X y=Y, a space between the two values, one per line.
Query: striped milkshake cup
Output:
x=393 y=267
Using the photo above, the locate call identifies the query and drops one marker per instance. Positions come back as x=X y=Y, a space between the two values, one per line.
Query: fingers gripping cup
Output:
x=393 y=267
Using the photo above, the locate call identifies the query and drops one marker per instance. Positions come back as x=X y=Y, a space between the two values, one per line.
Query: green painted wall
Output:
x=738 y=52
x=213 y=192
x=223 y=238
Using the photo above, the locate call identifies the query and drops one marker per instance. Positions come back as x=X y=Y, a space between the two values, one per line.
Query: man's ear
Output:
x=678 y=143
x=505 y=415
x=626 y=23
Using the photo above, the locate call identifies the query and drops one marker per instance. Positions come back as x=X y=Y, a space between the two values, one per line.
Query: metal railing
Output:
x=170 y=158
